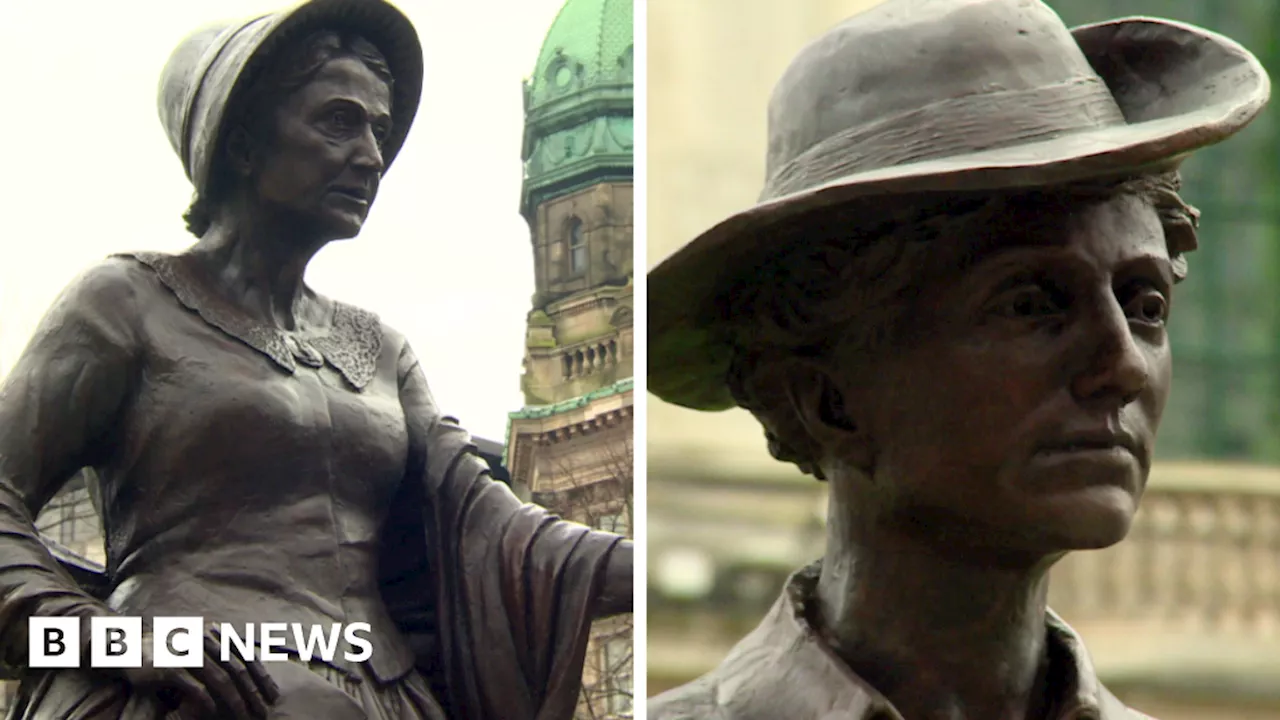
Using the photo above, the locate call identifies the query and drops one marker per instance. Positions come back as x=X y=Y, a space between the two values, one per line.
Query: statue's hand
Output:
x=238 y=688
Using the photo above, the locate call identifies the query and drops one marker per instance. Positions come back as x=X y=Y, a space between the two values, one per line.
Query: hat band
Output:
x=950 y=128
x=211 y=56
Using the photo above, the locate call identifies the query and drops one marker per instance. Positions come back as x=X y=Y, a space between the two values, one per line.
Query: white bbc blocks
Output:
x=115 y=642
x=179 y=642
x=53 y=642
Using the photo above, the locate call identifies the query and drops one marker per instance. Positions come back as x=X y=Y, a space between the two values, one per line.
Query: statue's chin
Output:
x=347 y=230
x=1089 y=519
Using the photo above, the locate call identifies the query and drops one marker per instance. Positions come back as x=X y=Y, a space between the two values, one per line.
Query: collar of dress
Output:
x=351 y=345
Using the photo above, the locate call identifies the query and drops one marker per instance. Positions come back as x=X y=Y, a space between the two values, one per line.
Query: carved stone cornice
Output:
x=583 y=427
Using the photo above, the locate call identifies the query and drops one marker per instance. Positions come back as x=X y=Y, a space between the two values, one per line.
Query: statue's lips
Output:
x=357 y=196
x=1093 y=441
x=1112 y=453
x=1103 y=447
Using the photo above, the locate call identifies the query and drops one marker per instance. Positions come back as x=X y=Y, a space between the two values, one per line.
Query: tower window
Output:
x=577 y=248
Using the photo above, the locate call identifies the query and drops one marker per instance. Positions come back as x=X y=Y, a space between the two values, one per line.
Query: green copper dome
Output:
x=579 y=101
x=590 y=43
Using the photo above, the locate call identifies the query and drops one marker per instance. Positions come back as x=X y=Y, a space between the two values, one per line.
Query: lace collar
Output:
x=352 y=345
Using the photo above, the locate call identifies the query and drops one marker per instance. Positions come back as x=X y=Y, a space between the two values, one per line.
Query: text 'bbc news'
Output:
x=178 y=642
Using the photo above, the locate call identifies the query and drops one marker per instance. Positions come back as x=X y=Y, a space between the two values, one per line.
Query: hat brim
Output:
x=1180 y=88
x=379 y=22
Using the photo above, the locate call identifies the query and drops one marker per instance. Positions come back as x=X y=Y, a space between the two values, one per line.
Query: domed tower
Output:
x=577 y=198
x=570 y=448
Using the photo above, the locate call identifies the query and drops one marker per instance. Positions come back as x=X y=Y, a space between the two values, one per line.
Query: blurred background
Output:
x=1183 y=618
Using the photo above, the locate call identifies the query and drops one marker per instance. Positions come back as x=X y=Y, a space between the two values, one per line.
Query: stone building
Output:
x=1184 y=617
x=570 y=448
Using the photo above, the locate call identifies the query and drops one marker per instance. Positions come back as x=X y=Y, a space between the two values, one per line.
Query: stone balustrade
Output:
x=1199 y=558
x=584 y=360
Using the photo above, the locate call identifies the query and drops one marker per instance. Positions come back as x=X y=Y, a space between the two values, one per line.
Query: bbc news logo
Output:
x=178 y=642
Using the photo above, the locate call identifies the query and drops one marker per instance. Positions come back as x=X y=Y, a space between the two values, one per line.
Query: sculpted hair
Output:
x=846 y=291
x=294 y=66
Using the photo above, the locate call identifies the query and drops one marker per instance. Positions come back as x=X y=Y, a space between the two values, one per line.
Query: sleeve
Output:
x=516 y=587
x=58 y=407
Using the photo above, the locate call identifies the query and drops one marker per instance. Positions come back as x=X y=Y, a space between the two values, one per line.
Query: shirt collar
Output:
x=786 y=639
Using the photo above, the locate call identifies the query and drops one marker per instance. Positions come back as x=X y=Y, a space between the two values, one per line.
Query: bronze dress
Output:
x=247 y=475
x=784 y=669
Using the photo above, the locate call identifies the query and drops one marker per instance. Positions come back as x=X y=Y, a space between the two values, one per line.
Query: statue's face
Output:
x=1022 y=409
x=324 y=164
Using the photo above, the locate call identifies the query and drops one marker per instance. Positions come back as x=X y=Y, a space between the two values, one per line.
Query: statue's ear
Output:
x=831 y=413
x=241 y=152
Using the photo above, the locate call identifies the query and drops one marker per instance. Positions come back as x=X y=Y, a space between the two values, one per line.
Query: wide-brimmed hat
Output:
x=942 y=96
x=208 y=73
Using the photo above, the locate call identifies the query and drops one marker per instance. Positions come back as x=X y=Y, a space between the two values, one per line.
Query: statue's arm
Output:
x=456 y=476
x=617 y=596
x=58 y=409
x=517 y=588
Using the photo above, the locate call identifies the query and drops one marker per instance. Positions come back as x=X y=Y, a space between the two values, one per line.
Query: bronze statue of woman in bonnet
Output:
x=950 y=304
x=267 y=454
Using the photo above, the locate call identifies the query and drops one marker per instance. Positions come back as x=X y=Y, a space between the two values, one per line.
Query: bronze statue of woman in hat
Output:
x=268 y=454
x=950 y=304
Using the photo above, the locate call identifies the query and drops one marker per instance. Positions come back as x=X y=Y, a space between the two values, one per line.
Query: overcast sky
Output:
x=444 y=257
